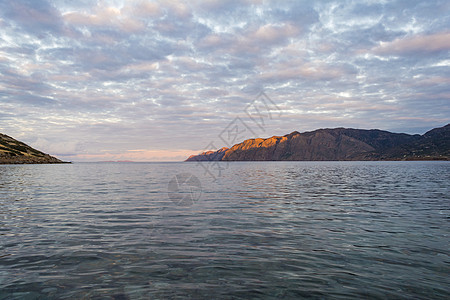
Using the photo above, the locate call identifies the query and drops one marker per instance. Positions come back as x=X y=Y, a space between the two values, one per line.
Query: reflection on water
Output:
x=263 y=230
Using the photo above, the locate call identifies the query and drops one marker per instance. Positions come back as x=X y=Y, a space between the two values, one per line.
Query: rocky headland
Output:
x=13 y=151
x=338 y=144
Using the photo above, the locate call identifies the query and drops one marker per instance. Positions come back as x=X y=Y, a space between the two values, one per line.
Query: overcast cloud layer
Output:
x=143 y=80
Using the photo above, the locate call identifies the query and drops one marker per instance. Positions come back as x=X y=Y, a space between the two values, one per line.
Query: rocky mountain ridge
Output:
x=338 y=144
x=13 y=151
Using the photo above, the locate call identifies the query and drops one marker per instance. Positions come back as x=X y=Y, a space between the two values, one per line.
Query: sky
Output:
x=160 y=80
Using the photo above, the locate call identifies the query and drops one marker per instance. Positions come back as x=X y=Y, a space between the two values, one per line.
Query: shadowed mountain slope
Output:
x=15 y=152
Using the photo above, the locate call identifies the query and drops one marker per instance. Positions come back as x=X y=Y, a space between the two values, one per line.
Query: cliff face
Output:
x=15 y=152
x=209 y=155
x=338 y=144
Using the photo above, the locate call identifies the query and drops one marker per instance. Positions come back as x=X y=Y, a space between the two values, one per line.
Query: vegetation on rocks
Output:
x=15 y=152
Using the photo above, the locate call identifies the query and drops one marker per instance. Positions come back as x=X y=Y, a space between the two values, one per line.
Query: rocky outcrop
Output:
x=338 y=144
x=208 y=155
x=15 y=152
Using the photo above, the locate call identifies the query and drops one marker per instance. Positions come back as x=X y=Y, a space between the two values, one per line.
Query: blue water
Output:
x=265 y=230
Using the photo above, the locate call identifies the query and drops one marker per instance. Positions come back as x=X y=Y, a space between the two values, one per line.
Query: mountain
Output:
x=15 y=152
x=209 y=155
x=338 y=144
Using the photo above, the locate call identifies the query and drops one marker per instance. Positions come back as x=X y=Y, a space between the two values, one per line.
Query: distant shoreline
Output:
x=367 y=160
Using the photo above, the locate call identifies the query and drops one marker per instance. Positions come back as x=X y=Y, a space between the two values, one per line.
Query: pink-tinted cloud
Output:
x=106 y=17
x=138 y=155
x=271 y=33
x=295 y=70
x=416 y=44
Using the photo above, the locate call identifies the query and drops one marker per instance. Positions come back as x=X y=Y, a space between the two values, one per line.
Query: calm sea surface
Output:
x=261 y=230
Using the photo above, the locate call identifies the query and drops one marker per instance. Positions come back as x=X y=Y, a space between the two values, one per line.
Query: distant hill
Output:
x=15 y=152
x=338 y=144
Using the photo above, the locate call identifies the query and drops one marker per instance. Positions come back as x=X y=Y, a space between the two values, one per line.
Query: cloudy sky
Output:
x=159 y=80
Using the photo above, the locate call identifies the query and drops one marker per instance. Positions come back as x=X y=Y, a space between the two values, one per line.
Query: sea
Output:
x=238 y=230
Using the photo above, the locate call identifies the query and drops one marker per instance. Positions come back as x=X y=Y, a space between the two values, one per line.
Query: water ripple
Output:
x=341 y=230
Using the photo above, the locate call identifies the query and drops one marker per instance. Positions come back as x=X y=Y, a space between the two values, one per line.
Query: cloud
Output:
x=168 y=75
x=271 y=33
x=251 y=40
x=105 y=17
x=218 y=5
x=140 y=156
x=35 y=16
x=419 y=44
x=142 y=9
x=179 y=9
